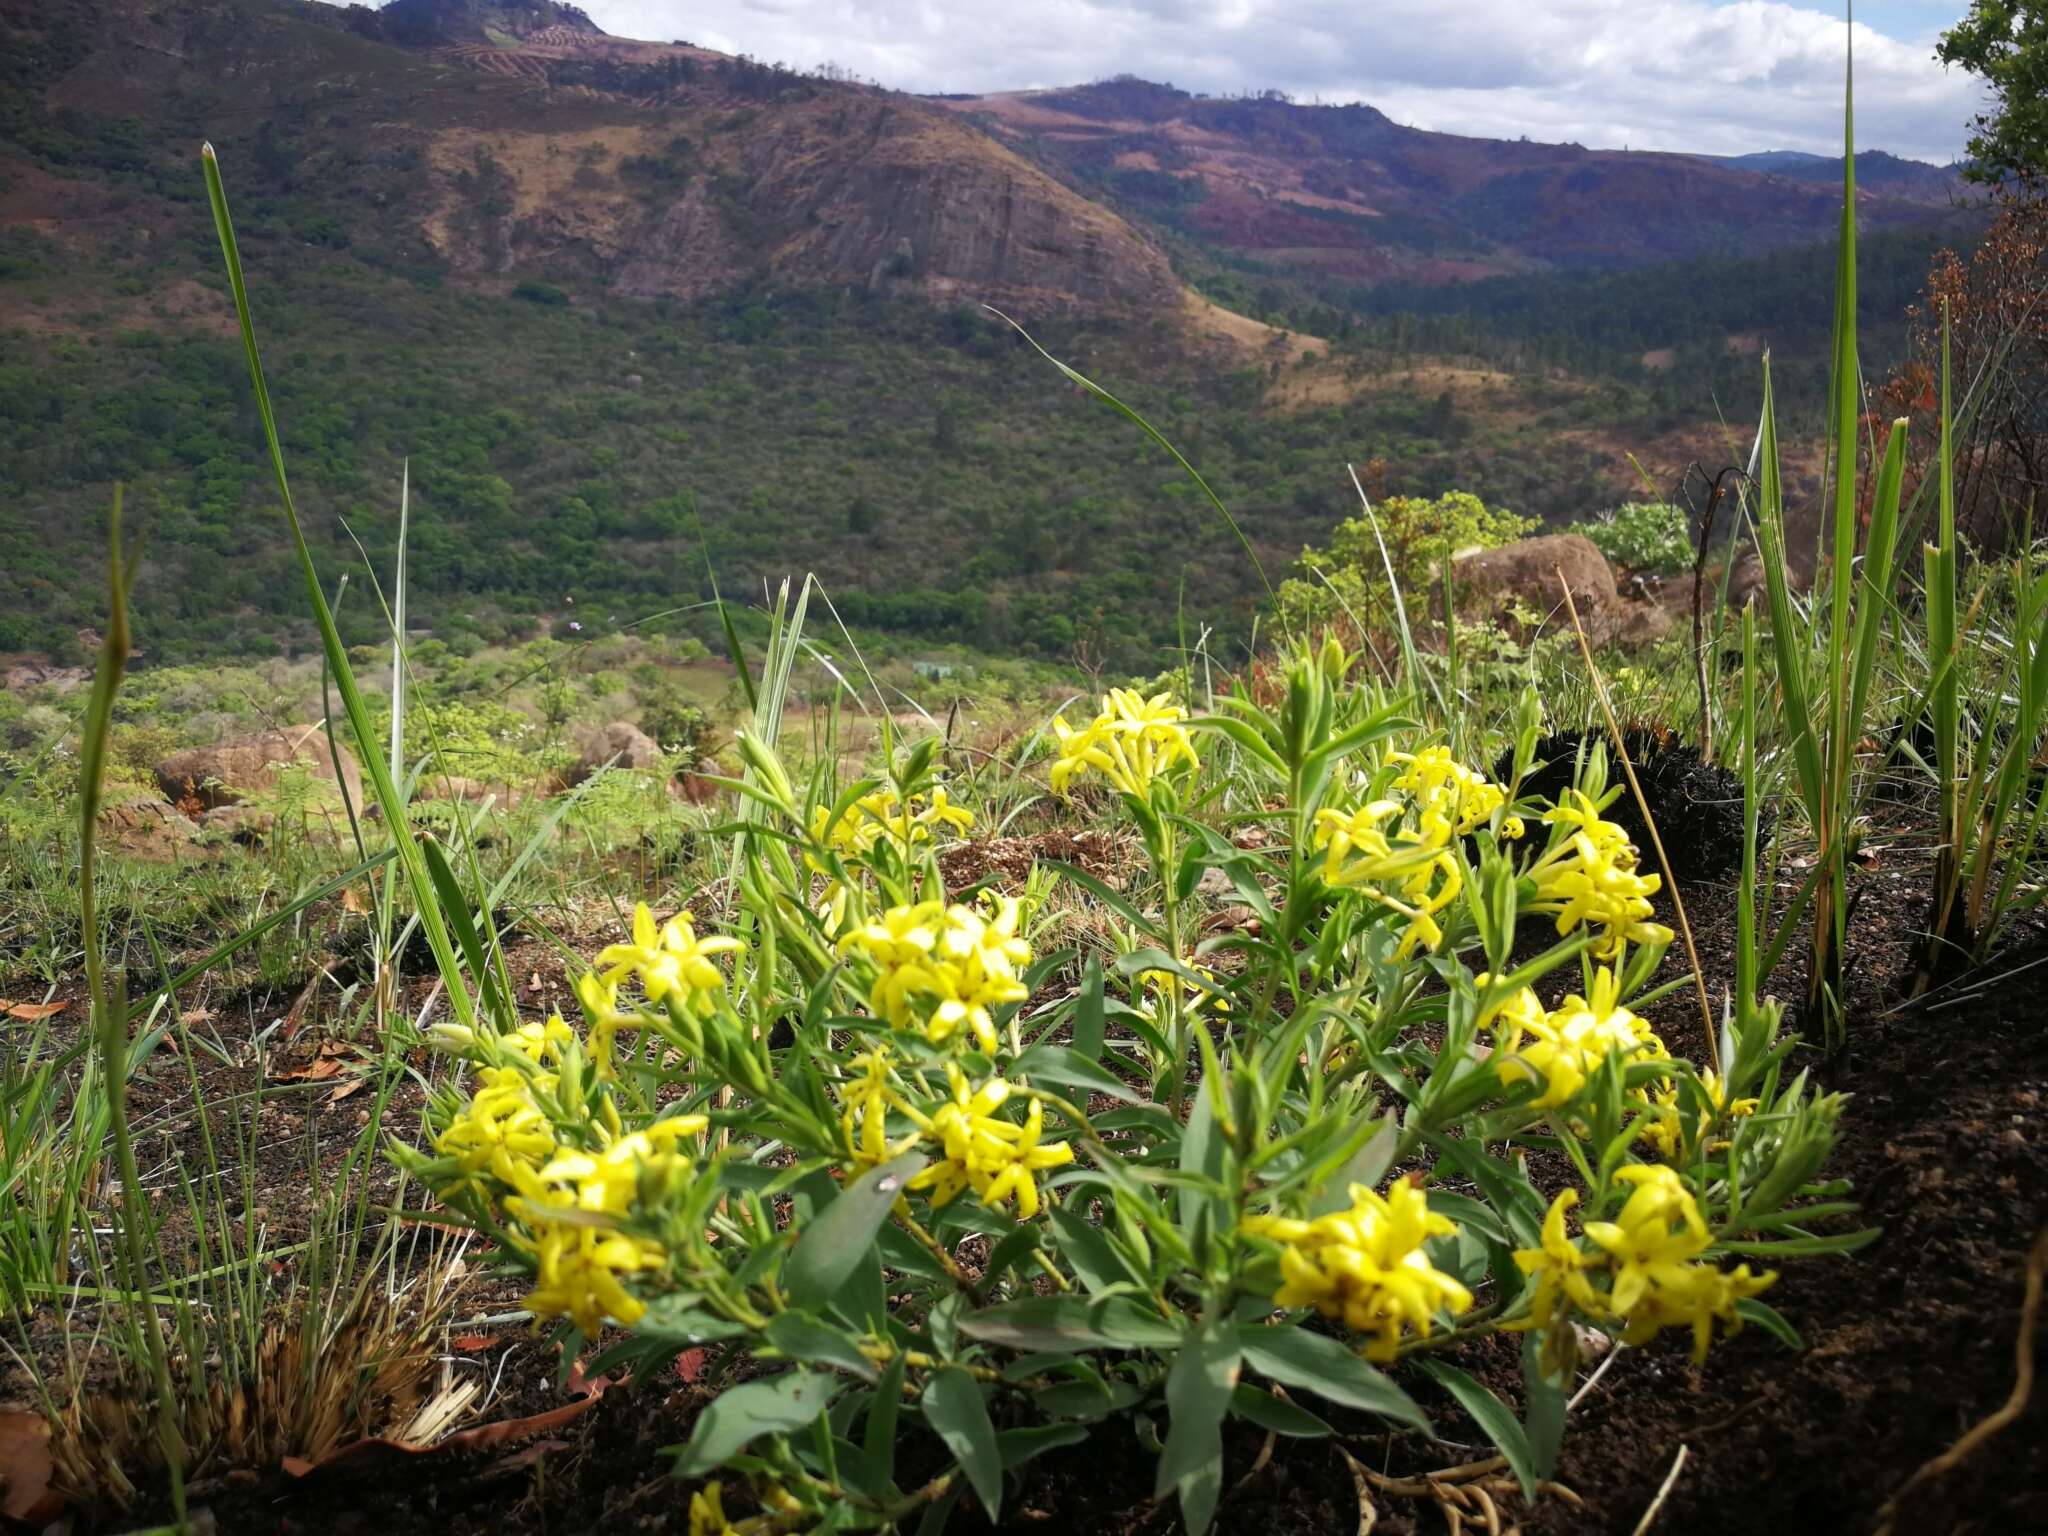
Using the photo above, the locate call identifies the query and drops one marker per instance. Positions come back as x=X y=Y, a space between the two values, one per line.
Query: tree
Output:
x=2006 y=43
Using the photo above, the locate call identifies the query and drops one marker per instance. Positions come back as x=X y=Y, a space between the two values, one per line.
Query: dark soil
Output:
x=1697 y=805
x=1908 y=1344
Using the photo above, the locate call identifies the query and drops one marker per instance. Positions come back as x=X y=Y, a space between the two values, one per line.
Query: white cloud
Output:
x=1700 y=75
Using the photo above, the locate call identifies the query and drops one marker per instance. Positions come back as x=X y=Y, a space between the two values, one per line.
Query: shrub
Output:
x=1653 y=537
x=1352 y=573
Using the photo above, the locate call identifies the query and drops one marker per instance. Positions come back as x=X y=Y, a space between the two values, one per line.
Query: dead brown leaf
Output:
x=483 y=1437
x=25 y=1468
x=32 y=1012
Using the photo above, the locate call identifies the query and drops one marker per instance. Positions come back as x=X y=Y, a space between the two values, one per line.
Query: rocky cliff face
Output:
x=846 y=189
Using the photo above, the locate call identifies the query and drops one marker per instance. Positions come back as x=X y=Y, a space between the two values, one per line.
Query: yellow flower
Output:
x=880 y=814
x=502 y=1130
x=940 y=969
x=707 y=1512
x=578 y=1253
x=864 y=1113
x=1559 y=1269
x=1450 y=794
x=1365 y=1266
x=541 y=1042
x=1663 y=1127
x=670 y=961
x=995 y=1158
x=1652 y=1247
x=1165 y=983
x=1567 y=1045
x=1591 y=878
x=1358 y=852
x=1131 y=742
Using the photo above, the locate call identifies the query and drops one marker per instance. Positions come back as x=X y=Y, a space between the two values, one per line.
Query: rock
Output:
x=1645 y=623
x=244 y=824
x=620 y=744
x=144 y=827
x=231 y=771
x=1494 y=582
x=453 y=786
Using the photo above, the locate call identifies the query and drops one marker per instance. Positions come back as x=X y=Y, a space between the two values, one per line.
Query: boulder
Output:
x=1492 y=583
x=620 y=744
x=230 y=771
x=144 y=827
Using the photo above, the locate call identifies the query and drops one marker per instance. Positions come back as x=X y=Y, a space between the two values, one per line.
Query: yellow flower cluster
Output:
x=881 y=814
x=571 y=1210
x=1649 y=1256
x=1365 y=1266
x=1399 y=848
x=670 y=961
x=976 y=1149
x=1664 y=1128
x=565 y=1204
x=1564 y=1046
x=939 y=968
x=1450 y=795
x=1591 y=878
x=1131 y=742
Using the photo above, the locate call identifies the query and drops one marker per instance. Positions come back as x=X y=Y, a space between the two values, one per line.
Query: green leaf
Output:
x=1017 y=1446
x=1771 y=1320
x=1088 y=1012
x=1493 y=1418
x=1367 y=1166
x=878 y=1435
x=834 y=1240
x=1084 y=1246
x=1058 y=1064
x=804 y=1337
x=1275 y=1413
x=954 y=1409
x=777 y=1406
x=1064 y=1324
x=1198 y=1391
x=1543 y=1415
x=1317 y=1363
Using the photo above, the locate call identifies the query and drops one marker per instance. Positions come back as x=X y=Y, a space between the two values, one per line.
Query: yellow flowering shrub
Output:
x=915 y=1167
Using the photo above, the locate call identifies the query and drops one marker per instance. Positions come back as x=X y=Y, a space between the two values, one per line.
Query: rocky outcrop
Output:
x=620 y=744
x=144 y=827
x=229 y=772
x=1525 y=575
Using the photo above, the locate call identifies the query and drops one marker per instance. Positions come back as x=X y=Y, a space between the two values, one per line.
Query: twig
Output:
x=2010 y=1409
x=1692 y=953
x=1593 y=1380
x=1663 y=1493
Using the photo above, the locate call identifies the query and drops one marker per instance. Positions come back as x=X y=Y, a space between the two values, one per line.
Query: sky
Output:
x=1709 y=76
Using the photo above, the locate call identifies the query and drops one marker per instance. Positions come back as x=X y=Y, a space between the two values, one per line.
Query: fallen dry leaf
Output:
x=690 y=1364
x=195 y=1016
x=25 y=1468
x=31 y=1012
x=353 y=901
x=482 y=1438
x=471 y=1343
x=353 y=1085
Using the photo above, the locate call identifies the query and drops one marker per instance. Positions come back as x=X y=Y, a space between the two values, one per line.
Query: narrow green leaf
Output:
x=878 y=1435
x=777 y=1406
x=1198 y=1391
x=1275 y=1413
x=834 y=1240
x=1317 y=1363
x=812 y=1341
x=954 y=1409
x=1088 y=1012
x=1493 y=1418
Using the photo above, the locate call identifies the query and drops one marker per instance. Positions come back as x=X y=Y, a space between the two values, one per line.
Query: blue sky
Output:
x=1721 y=76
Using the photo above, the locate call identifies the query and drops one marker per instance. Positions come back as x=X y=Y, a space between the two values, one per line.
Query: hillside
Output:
x=1346 y=192
x=639 y=313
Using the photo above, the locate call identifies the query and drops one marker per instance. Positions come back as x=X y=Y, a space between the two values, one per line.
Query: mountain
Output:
x=1876 y=170
x=1345 y=192
x=638 y=314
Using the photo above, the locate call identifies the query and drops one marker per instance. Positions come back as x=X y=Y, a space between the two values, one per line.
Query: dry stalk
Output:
x=2005 y=1413
x=1692 y=953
